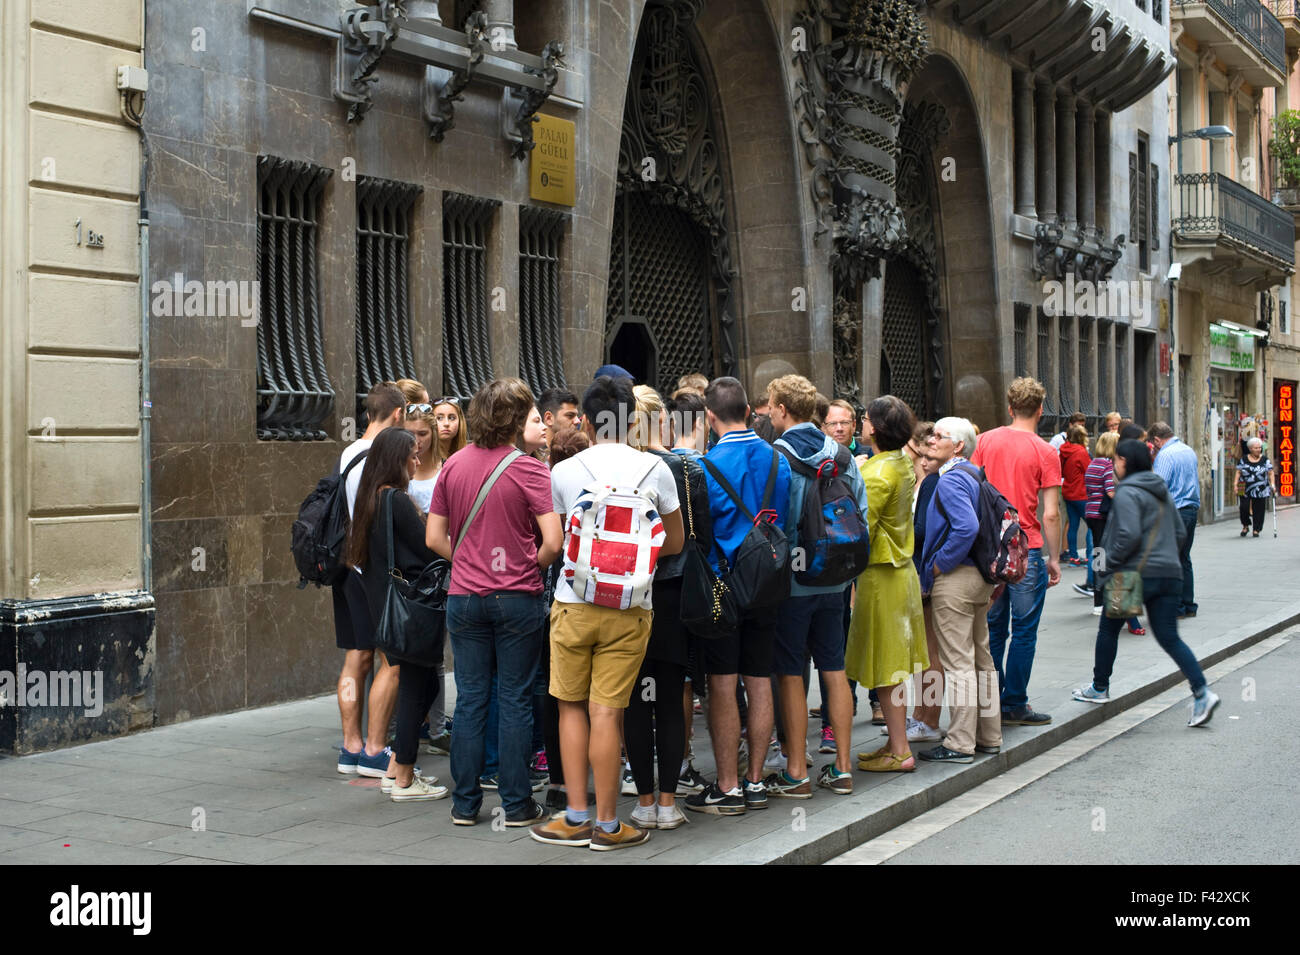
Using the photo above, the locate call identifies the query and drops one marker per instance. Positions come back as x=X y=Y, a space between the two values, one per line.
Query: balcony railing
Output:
x=1212 y=205
x=1255 y=24
x=1284 y=8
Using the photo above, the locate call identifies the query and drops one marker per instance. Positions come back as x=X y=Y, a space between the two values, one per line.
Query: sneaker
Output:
x=348 y=761
x=918 y=732
x=621 y=838
x=628 y=787
x=1138 y=631
x=828 y=741
x=647 y=817
x=1096 y=611
x=1081 y=590
x=755 y=795
x=529 y=815
x=376 y=767
x=1024 y=716
x=987 y=750
x=1203 y=707
x=670 y=817
x=439 y=745
x=491 y=781
x=691 y=782
x=837 y=782
x=558 y=831
x=556 y=800
x=537 y=779
x=386 y=786
x=780 y=784
x=775 y=758
x=877 y=715
x=942 y=754
x=539 y=764
x=714 y=800
x=422 y=787
x=458 y=820
x=1090 y=694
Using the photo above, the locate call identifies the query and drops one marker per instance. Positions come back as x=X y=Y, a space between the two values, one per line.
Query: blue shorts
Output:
x=809 y=626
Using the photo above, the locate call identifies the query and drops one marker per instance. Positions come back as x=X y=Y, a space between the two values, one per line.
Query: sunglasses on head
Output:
x=449 y=400
x=419 y=409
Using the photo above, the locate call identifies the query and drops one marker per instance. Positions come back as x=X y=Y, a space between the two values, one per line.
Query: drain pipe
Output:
x=146 y=403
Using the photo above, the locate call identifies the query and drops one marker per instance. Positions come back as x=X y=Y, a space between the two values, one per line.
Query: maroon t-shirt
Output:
x=500 y=550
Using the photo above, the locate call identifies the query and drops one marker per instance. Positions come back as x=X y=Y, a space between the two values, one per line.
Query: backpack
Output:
x=320 y=533
x=614 y=537
x=833 y=532
x=759 y=574
x=1001 y=548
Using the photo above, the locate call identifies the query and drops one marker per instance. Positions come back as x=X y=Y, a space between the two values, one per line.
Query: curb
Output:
x=842 y=827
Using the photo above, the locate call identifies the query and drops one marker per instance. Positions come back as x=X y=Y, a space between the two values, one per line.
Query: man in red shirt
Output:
x=1027 y=470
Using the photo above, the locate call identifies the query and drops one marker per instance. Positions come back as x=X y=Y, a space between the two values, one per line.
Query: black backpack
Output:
x=759 y=574
x=1001 y=548
x=833 y=534
x=320 y=533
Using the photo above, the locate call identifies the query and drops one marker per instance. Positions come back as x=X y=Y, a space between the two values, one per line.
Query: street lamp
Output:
x=1205 y=132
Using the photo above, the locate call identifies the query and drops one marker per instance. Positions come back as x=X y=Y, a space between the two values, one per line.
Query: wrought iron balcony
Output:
x=1211 y=210
x=1288 y=12
x=1245 y=36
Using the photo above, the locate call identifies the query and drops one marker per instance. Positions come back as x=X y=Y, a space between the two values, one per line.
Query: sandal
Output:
x=888 y=763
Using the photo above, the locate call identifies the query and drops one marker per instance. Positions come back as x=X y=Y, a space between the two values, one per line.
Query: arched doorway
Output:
x=669 y=307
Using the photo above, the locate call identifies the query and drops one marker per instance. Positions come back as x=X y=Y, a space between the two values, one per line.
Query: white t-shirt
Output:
x=614 y=464
x=354 y=476
x=1057 y=440
x=421 y=492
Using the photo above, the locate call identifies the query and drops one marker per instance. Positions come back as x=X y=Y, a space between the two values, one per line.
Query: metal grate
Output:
x=1022 y=336
x=1087 y=382
x=1121 y=370
x=384 y=214
x=903 y=335
x=294 y=395
x=541 y=361
x=1044 y=367
x=1104 y=393
x=466 y=345
x=1065 y=360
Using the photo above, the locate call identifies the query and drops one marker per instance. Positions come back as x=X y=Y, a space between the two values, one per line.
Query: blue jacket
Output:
x=745 y=460
x=948 y=542
x=812 y=447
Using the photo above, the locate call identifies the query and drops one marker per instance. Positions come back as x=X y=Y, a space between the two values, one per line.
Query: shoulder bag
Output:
x=411 y=626
x=708 y=606
x=1122 y=594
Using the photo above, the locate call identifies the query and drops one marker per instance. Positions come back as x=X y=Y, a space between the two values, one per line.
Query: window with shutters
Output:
x=1153 y=208
x=1283 y=318
x=466 y=346
x=1139 y=195
x=541 y=361
x=1157 y=11
x=294 y=394
x=1022 y=336
x=384 y=214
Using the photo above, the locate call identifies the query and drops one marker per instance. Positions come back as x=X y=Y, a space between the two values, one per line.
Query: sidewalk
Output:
x=259 y=786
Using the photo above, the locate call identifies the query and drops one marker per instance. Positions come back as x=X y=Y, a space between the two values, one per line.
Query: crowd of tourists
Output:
x=616 y=562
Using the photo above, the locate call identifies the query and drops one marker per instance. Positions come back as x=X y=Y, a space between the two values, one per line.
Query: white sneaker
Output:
x=386 y=784
x=670 y=817
x=646 y=817
x=628 y=787
x=775 y=759
x=918 y=732
x=1096 y=611
x=420 y=788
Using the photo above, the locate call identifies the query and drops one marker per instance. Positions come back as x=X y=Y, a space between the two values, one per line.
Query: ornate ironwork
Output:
x=367 y=36
x=902 y=328
x=541 y=360
x=532 y=99
x=1058 y=251
x=669 y=152
x=294 y=395
x=466 y=341
x=439 y=102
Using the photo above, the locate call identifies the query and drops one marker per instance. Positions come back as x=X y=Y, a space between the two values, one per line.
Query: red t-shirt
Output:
x=1020 y=464
x=1074 y=464
x=500 y=550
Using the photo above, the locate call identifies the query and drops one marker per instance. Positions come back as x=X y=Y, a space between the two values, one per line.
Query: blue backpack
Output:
x=833 y=532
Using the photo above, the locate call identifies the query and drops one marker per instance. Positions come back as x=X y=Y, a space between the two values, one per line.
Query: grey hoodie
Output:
x=1139 y=501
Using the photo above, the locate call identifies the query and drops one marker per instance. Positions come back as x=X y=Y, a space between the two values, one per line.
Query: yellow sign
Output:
x=552 y=165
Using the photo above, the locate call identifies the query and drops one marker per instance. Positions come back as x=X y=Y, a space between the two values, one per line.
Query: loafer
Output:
x=942 y=754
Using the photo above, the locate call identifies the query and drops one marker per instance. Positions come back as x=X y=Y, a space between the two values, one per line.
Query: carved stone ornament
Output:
x=364 y=37
x=439 y=100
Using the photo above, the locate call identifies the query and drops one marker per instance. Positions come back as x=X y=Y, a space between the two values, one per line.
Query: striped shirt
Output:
x=1099 y=480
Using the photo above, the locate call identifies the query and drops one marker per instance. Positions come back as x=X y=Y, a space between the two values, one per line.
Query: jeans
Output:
x=1018 y=609
x=1161 y=596
x=1074 y=511
x=492 y=732
x=1188 y=599
x=493 y=629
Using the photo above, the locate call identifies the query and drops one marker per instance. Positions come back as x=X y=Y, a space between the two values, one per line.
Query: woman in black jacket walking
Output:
x=389 y=466
x=1145 y=534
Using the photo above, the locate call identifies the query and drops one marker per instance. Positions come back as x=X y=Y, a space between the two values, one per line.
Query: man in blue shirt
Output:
x=745 y=460
x=1176 y=463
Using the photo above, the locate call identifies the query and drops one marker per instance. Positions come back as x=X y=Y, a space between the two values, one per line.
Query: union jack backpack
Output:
x=614 y=538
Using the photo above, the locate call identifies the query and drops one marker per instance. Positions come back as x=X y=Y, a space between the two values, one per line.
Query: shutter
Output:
x=1153 y=219
x=1142 y=223
x=1133 y=233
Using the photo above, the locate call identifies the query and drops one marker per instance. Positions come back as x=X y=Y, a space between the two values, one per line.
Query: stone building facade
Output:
x=882 y=196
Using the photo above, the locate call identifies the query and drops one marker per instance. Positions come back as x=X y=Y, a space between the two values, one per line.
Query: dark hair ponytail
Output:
x=384 y=466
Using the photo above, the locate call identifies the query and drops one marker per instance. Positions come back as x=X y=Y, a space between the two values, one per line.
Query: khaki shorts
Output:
x=596 y=652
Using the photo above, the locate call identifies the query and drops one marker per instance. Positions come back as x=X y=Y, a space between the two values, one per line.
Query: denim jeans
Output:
x=492 y=732
x=498 y=629
x=1018 y=609
x=1187 y=601
x=1074 y=511
x=1161 y=596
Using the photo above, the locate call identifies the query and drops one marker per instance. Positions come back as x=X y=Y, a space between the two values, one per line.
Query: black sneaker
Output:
x=714 y=800
x=489 y=782
x=529 y=815
x=537 y=779
x=1081 y=590
x=987 y=750
x=1024 y=716
x=691 y=782
x=755 y=795
x=556 y=800
x=942 y=754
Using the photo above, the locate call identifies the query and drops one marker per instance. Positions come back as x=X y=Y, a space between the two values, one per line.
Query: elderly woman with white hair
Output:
x=959 y=598
x=1254 y=486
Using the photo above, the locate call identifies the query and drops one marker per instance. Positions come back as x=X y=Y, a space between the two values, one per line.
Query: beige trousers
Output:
x=960 y=602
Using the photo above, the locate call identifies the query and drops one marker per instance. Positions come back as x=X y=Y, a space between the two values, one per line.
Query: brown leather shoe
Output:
x=558 y=832
x=877 y=715
x=620 y=838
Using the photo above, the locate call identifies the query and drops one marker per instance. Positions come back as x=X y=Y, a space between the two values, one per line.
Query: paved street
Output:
x=259 y=786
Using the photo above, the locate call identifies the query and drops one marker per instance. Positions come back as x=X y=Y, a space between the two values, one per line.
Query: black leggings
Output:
x=656 y=723
x=1252 y=510
x=417 y=689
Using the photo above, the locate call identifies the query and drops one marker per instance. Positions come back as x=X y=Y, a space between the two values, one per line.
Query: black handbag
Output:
x=412 y=624
x=708 y=607
x=759 y=575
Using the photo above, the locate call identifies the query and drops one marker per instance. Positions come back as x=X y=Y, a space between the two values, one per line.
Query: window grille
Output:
x=294 y=394
x=1022 y=335
x=1104 y=393
x=1045 y=368
x=466 y=347
x=385 y=210
x=1065 y=358
x=1121 y=370
x=1087 y=382
x=541 y=361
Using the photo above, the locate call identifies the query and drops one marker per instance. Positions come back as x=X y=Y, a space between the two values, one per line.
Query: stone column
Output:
x=501 y=17
x=1023 y=109
x=1065 y=156
x=1101 y=150
x=1087 y=168
x=1045 y=153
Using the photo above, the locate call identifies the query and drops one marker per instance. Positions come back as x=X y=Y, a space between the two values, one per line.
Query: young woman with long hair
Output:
x=449 y=420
